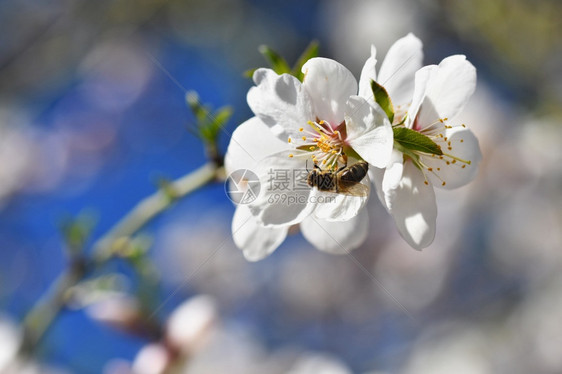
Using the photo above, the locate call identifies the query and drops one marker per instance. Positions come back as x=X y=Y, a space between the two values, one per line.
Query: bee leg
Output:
x=337 y=183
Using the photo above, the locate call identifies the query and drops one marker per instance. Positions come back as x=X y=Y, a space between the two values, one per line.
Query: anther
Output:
x=291 y=155
x=443 y=183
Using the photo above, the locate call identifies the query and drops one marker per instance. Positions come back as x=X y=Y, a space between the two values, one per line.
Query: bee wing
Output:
x=357 y=189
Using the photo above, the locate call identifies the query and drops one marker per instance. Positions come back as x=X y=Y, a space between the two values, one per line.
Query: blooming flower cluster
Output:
x=317 y=145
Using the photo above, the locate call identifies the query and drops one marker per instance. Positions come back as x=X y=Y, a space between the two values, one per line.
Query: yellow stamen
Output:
x=457 y=158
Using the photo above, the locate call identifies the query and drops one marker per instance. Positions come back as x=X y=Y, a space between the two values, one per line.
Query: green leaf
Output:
x=201 y=112
x=249 y=73
x=77 y=230
x=310 y=52
x=209 y=122
x=221 y=116
x=383 y=99
x=413 y=140
x=278 y=63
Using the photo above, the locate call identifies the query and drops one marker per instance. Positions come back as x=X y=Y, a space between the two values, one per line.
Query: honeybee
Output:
x=346 y=180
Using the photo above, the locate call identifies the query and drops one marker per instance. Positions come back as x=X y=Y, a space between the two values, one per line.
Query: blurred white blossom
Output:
x=359 y=23
x=189 y=325
x=10 y=340
x=316 y=363
x=16 y=153
x=448 y=348
x=153 y=358
x=10 y=361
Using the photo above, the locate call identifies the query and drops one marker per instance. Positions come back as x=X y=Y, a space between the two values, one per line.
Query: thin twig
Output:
x=46 y=310
x=149 y=208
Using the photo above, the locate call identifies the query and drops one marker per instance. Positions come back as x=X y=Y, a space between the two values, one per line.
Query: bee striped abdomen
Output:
x=355 y=173
x=345 y=181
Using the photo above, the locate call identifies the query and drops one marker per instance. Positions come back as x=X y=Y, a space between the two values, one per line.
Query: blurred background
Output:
x=93 y=114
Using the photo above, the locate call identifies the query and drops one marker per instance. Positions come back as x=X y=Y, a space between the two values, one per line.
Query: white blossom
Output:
x=319 y=123
x=426 y=100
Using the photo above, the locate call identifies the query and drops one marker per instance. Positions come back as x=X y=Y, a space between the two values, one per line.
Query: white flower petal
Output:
x=284 y=197
x=393 y=172
x=397 y=71
x=329 y=85
x=339 y=206
x=422 y=79
x=255 y=240
x=449 y=89
x=455 y=173
x=368 y=73
x=336 y=237
x=369 y=131
x=377 y=176
x=280 y=102
x=413 y=207
x=251 y=142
